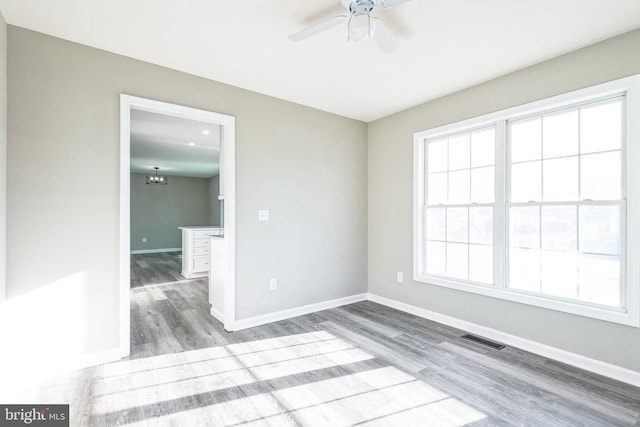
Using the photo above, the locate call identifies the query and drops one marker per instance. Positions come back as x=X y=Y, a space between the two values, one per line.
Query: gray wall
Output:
x=3 y=156
x=158 y=210
x=214 y=203
x=309 y=168
x=390 y=202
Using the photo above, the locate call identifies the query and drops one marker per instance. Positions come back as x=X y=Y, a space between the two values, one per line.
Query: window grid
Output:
x=467 y=241
x=448 y=205
x=501 y=281
x=581 y=201
x=619 y=204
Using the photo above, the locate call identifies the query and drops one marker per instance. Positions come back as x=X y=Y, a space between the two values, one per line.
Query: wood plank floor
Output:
x=361 y=364
x=155 y=269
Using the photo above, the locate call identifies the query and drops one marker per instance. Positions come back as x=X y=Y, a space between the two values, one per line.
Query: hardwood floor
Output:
x=155 y=269
x=361 y=364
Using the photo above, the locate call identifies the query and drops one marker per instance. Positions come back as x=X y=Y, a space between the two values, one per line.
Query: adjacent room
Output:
x=175 y=208
x=328 y=213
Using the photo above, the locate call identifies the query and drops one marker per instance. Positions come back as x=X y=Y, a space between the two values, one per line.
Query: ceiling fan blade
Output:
x=383 y=38
x=318 y=28
x=385 y=4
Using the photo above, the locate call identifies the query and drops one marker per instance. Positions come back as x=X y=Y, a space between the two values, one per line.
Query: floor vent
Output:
x=483 y=341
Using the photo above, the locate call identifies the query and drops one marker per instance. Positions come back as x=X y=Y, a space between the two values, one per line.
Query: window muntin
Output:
x=606 y=140
x=573 y=160
x=460 y=203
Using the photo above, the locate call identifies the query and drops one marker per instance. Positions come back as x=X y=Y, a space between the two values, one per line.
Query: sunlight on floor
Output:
x=222 y=368
x=282 y=384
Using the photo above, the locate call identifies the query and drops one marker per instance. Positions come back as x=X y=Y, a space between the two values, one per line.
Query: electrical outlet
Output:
x=273 y=284
x=400 y=277
x=144 y=240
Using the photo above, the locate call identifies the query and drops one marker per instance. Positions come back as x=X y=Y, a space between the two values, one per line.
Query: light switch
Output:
x=263 y=215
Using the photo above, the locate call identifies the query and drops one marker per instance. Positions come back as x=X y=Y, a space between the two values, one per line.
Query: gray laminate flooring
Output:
x=361 y=364
x=156 y=269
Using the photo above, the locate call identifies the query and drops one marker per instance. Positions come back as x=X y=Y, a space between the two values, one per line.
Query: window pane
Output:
x=459 y=191
x=600 y=291
x=600 y=229
x=458 y=224
x=483 y=148
x=559 y=274
x=436 y=223
x=601 y=127
x=436 y=258
x=599 y=279
x=526 y=141
x=560 y=135
x=457 y=260
x=437 y=188
x=524 y=269
x=600 y=266
x=481 y=263
x=560 y=227
x=560 y=179
x=437 y=155
x=481 y=225
x=526 y=182
x=482 y=185
x=459 y=151
x=600 y=176
x=524 y=224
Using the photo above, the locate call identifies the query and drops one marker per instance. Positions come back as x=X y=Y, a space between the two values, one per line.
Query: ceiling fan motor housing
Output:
x=360 y=24
x=358 y=7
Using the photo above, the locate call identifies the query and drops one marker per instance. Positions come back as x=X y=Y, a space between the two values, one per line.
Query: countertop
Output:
x=200 y=227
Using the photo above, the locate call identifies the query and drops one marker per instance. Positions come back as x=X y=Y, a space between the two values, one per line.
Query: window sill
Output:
x=620 y=316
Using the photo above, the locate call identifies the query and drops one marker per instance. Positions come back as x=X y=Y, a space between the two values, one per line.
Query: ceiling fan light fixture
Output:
x=361 y=26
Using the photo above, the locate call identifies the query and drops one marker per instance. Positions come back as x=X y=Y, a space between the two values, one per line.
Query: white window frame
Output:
x=630 y=279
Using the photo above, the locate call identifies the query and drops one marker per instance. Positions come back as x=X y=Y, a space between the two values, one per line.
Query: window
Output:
x=460 y=204
x=530 y=204
x=566 y=202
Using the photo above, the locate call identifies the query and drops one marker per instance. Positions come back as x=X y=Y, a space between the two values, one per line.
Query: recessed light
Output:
x=205 y=132
x=192 y=144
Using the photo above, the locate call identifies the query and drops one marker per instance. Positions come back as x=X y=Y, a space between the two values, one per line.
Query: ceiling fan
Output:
x=360 y=24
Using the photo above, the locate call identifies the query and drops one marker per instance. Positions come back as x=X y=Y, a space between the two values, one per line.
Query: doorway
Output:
x=226 y=123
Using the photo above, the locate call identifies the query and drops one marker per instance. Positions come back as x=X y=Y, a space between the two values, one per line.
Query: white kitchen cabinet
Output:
x=195 y=250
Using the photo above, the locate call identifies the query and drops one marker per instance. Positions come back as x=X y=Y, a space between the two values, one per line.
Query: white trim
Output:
x=615 y=87
x=227 y=125
x=602 y=368
x=632 y=184
x=125 y=225
x=276 y=316
x=609 y=315
x=228 y=179
x=418 y=206
x=630 y=314
x=217 y=315
x=155 y=251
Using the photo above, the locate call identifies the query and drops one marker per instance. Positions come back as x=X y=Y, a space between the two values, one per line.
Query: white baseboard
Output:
x=295 y=312
x=155 y=251
x=573 y=359
x=217 y=315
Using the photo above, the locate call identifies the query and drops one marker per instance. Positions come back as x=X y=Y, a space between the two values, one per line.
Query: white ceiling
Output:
x=446 y=45
x=177 y=146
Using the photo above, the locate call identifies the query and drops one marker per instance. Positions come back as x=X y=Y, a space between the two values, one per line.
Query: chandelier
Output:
x=157 y=179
